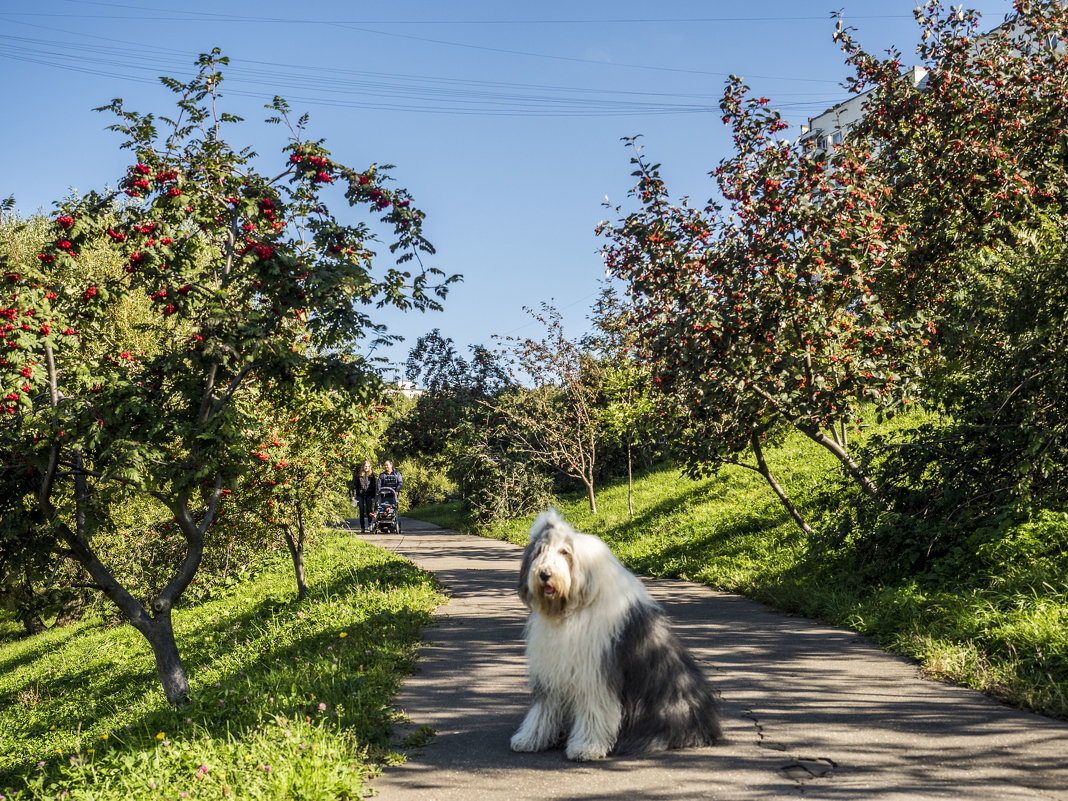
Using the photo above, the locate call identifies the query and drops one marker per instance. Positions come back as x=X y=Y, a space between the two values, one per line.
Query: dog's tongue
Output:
x=549 y=589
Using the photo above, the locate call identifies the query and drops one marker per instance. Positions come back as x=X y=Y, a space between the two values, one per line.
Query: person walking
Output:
x=390 y=478
x=364 y=490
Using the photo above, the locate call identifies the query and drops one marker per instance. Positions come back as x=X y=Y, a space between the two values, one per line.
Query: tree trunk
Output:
x=852 y=468
x=762 y=468
x=296 y=551
x=33 y=624
x=69 y=612
x=27 y=606
x=155 y=626
x=160 y=635
x=593 y=500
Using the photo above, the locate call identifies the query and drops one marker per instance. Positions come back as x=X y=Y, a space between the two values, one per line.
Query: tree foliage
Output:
x=250 y=282
x=553 y=422
x=979 y=162
x=828 y=282
x=298 y=473
x=452 y=390
x=627 y=413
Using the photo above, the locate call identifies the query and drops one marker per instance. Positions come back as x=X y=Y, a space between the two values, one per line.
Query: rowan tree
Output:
x=765 y=314
x=978 y=158
x=256 y=282
x=826 y=281
x=299 y=462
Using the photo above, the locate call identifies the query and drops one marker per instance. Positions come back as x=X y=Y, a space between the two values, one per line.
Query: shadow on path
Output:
x=809 y=710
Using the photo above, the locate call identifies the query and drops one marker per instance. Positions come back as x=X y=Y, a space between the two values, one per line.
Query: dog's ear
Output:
x=524 y=569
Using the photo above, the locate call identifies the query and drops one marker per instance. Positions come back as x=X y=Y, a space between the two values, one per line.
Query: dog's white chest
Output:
x=568 y=653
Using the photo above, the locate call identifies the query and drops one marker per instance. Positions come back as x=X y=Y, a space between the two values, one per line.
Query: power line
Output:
x=367 y=90
x=203 y=16
x=172 y=14
x=572 y=59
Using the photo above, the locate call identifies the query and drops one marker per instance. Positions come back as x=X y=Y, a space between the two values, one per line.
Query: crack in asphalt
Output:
x=799 y=769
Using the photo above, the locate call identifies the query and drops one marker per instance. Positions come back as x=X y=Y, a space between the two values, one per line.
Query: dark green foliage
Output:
x=499 y=485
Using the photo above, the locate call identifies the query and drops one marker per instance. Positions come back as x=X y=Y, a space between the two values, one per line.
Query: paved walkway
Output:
x=810 y=711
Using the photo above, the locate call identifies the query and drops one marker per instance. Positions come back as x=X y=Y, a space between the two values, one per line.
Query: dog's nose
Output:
x=545 y=575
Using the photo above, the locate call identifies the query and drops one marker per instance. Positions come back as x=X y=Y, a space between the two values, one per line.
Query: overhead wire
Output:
x=132 y=61
x=197 y=15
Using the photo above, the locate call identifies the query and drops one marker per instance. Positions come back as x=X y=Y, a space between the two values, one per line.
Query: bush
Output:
x=498 y=488
x=951 y=487
x=425 y=483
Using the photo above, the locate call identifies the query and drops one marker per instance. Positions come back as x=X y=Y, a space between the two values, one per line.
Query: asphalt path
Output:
x=809 y=711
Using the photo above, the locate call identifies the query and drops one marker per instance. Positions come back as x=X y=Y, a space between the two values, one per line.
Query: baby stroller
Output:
x=384 y=518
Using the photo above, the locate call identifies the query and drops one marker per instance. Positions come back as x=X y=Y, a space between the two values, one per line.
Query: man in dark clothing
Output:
x=390 y=478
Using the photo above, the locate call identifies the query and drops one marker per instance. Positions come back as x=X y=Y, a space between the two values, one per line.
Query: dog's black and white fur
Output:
x=607 y=673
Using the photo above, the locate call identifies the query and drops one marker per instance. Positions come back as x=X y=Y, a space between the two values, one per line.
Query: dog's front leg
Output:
x=542 y=728
x=594 y=731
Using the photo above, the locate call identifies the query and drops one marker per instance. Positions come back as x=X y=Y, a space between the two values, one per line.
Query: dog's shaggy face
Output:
x=551 y=576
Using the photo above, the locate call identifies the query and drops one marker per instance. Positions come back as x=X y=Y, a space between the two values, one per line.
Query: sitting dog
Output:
x=607 y=673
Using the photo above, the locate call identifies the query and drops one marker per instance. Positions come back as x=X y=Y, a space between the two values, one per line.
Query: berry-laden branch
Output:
x=234 y=279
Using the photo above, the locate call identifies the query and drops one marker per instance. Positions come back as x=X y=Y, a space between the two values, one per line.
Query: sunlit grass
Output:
x=290 y=700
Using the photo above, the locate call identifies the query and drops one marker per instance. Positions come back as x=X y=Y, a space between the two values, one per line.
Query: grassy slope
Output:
x=1003 y=629
x=292 y=700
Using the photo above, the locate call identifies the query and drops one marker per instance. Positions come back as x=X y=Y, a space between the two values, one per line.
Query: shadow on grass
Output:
x=48 y=640
x=273 y=674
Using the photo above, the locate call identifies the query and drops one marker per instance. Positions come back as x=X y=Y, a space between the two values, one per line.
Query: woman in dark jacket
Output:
x=364 y=490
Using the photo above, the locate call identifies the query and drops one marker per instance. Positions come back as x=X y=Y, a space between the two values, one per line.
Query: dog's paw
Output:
x=524 y=743
x=585 y=752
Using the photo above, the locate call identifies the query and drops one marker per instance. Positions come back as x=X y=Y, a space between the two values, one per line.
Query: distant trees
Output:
x=244 y=284
x=507 y=423
x=554 y=423
x=452 y=389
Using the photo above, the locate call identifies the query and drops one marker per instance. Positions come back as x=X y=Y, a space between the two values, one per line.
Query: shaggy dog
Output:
x=607 y=673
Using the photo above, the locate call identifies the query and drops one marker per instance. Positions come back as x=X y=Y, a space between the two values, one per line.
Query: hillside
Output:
x=992 y=614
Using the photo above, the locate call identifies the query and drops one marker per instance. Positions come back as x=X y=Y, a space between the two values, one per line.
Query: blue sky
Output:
x=504 y=120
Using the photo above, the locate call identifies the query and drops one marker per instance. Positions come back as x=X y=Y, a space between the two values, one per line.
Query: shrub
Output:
x=425 y=483
x=498 y=487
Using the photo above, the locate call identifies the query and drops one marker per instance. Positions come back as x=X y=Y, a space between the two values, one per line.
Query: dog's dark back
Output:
x=667 y=702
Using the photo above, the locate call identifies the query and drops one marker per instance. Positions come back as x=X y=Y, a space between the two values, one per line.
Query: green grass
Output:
x=993 y=616
x=290 y=700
